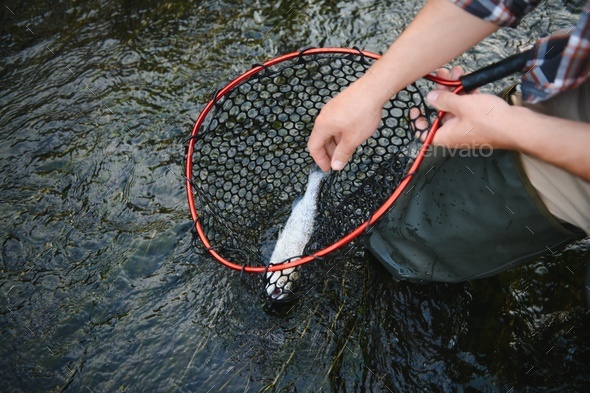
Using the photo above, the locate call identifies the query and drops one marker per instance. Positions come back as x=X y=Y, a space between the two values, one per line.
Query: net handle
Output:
x=495 y=71
x=487 y=74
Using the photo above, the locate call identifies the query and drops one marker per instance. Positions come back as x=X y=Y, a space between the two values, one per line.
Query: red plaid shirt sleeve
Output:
x=501 y=12
x=560 y=62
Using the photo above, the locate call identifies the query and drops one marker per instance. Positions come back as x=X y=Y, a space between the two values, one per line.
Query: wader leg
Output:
x=467 y=215
x=464 y=218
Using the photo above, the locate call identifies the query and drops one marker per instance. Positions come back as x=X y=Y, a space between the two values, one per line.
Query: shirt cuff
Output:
x=501 y=13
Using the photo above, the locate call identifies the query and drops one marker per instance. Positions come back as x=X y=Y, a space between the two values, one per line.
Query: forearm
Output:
x=563 y=143
x=440 y=32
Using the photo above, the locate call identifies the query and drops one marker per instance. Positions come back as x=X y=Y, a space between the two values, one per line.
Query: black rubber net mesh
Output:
x=251 y=162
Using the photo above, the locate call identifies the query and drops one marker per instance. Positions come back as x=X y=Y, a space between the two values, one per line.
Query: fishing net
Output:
x=248 y=160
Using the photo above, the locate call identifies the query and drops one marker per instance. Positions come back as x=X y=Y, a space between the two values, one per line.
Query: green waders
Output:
x=465 y=218
x=467 y=214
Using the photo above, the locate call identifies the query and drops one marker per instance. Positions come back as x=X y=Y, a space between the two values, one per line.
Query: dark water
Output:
x=100 y=289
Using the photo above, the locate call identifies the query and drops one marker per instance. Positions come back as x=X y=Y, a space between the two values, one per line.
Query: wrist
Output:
x=515 y=128
x=374 y=88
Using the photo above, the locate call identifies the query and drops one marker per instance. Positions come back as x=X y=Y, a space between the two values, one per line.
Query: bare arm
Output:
x=439 y=33
x=563 y=143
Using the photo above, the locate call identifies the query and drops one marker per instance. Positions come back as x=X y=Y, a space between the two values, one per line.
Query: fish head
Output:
x=281 y=285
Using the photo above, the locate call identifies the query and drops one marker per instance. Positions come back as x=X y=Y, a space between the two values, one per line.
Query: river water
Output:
x=100 y=289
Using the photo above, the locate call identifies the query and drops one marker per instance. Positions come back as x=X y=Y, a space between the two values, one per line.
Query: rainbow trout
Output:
x=293 y=239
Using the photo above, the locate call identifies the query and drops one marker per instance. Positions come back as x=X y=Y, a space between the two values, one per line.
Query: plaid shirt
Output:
x=559 y=62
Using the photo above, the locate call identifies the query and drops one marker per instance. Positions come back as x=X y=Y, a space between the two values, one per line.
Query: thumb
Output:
x=443 y=100
x=341 y=155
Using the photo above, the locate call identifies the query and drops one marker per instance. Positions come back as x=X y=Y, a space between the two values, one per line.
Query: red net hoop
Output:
x=247 y=160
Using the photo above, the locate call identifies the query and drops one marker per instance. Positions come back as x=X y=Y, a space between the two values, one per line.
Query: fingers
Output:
x=330 y=155
x=341 y=155
x=444 y=74
x=415 y=114
x=330 y=146
x=419 y=124
x=329 y=152
x=321 y=150
x=456 y=73
x=444 y=101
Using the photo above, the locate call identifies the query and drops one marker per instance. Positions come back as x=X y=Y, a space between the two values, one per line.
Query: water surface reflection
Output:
x=100 y=288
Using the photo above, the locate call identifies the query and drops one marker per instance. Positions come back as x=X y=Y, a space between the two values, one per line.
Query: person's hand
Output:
x=486 y=121
x=343 y=124
x=471 y=120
